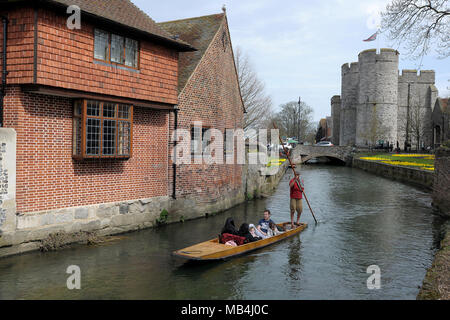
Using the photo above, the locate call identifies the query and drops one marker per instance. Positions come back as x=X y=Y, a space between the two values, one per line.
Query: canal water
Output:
x=364 y=220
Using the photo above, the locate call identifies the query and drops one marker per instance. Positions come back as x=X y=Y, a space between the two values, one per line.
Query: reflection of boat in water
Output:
x=213 y=250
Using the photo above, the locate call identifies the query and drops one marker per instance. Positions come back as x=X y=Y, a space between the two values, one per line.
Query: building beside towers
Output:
x=377 y=102
x=88 y=119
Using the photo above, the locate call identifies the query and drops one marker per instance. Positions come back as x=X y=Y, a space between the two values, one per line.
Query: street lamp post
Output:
x=299 y=119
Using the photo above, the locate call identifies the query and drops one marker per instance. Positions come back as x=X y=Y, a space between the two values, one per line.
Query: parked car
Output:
x=324 y=144
x=286 y=145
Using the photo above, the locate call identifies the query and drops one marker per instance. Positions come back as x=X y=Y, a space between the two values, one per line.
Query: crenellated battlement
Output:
x=352 y=67
x=411 y=76
x=371 y=55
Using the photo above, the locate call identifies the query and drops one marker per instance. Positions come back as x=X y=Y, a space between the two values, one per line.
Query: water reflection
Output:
x=294 y=260
x=363 y=220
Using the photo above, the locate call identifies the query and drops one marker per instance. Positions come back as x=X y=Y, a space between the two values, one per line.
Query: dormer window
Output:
x=116 y=49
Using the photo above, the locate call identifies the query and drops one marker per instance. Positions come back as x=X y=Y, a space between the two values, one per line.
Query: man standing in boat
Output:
x=296 y=199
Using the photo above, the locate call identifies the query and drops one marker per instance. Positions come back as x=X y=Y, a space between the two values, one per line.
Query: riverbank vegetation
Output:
x=417 y=161
x=436 y=285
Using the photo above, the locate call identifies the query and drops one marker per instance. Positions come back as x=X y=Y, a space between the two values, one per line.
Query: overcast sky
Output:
x=298 y=47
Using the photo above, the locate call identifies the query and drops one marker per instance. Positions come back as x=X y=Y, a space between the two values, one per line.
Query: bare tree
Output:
x=419 y=125
x=420 y=24
x=294 y=118
x=416 y=125
x=257 y=102
x=310 y=135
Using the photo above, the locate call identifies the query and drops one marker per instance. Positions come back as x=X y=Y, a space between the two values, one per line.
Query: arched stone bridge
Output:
x=303 y=153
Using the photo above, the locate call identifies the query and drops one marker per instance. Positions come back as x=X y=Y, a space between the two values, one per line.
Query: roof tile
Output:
x=199 y=32
x=124 y=12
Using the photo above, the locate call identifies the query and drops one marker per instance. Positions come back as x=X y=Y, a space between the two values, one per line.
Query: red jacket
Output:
x=295 y=190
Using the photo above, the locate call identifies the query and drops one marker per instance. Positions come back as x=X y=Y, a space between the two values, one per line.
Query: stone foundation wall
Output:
x=441 y=186
x=261 y=180
x=102 y=219
x=414 y=176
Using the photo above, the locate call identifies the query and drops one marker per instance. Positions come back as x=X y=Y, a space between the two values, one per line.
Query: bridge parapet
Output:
x=303 y=153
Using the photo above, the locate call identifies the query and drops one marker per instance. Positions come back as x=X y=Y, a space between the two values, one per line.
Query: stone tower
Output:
x=415 y=90
x=336 y=119
x=376 y=101
x=376 y=111
x=349 y=99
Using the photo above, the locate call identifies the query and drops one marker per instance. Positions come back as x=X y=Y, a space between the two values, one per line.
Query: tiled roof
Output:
x=199 y=32
x=126 y=13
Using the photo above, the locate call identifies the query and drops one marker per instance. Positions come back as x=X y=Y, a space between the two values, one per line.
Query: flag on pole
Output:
x=372 y=37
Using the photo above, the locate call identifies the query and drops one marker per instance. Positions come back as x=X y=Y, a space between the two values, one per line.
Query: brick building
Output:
x=93 y=109
x=209 y=94
x=324 y=129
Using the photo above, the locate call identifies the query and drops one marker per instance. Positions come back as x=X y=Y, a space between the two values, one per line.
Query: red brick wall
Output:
x=211 y=96
x=48 y=177
x=20 y=50
x=65 y=59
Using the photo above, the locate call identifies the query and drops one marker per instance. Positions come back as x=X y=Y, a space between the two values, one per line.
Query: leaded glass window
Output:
x=102 y=129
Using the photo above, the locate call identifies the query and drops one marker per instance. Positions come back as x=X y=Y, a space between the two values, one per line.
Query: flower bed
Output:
x=418 y=161
x=275 y=162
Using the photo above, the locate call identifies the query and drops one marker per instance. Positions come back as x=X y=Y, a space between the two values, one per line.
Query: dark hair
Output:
x=267 y=210
x=243 y=230
x=229 y=227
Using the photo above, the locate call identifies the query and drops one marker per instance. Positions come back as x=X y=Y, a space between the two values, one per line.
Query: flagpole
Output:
x=378 y=41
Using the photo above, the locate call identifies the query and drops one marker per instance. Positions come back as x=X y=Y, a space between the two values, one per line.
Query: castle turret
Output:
x=336 y=119
x=376 y=114
x=349 y=100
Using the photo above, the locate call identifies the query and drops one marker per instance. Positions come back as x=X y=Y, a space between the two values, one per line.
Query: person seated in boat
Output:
x=244 y=231
x=263 y=224
x=229 y=233
x=255 y=232
x=273 y=230
x=229 y=227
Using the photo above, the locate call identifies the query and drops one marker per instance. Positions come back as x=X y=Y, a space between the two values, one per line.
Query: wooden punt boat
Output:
x=213 y=250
